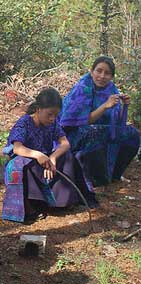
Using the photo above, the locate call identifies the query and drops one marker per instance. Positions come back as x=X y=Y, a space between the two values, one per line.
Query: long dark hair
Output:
x=47 y=98
x=107 y=60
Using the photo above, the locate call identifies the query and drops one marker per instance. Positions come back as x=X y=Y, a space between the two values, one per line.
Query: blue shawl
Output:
x=85 y=97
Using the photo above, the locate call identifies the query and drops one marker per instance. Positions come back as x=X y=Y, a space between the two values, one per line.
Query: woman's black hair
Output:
x=47 y=98
x=107 y=60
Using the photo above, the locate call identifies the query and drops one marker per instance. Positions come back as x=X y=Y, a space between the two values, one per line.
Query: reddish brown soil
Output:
x=73 y=249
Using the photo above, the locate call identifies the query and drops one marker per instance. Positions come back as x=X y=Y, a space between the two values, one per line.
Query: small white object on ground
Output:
x=130 y=197
x=125 y=179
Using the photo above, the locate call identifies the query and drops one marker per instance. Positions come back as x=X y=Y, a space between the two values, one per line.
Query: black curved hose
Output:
x=80 y=194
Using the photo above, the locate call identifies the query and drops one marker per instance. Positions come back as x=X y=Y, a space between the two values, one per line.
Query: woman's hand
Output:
x=63 y=147
x=50 y=172
x=46 y=162
x=125 y=99
x=42 y=159
x=53 y=159
x=96 y=114
x=112 y=100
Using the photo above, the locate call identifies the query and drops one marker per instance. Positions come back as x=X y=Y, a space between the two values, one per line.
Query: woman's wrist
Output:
x=36 y=154
x=106 y=106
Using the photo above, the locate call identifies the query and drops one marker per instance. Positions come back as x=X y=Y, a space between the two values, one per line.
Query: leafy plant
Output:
x=107 y=273
x=136 y=257
x=115 y=235
x=99 y=242
x=62 y=262
x=3 y=138
x=68 y=258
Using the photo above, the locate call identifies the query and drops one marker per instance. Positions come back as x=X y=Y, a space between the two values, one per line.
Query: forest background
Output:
x=41 y=35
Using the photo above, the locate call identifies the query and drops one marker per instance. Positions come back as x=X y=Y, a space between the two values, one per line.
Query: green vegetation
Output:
x=3 y=138
x=38 y=35
x=67 y=259
x=136 y=257
x=62 y=262
x=107 y=273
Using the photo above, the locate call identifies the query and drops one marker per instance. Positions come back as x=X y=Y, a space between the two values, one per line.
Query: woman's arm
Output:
x=21 y=150
x=96 y=114
x=62 y=148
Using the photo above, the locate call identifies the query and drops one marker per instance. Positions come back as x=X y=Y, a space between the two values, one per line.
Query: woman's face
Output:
x=47 y=116
x=102 y=74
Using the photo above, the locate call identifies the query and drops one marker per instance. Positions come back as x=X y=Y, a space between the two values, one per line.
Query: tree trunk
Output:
x=104 y=28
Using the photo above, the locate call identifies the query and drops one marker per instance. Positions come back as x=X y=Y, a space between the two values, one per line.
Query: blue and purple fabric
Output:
x=37 y=138
x=24 y=177
x=13 y=204
x=105 y=148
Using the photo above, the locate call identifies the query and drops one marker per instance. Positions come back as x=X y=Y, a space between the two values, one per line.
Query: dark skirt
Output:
x=103 y=159
x=27 y=189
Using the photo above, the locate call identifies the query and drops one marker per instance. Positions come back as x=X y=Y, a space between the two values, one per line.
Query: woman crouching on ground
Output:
x=33 y=161
x=94 y=118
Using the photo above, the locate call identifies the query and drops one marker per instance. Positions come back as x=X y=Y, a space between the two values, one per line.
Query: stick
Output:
x=43 y=71
x=128 y=237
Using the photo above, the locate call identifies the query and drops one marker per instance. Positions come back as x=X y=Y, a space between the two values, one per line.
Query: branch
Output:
x=113 y=15
x=128 y=237
x=47 y=70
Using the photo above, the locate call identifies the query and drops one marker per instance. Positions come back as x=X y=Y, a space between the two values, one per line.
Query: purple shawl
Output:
x=84 y=97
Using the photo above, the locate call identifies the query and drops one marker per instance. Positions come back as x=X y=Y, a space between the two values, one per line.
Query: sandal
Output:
x=41 y=216
x=34 y=217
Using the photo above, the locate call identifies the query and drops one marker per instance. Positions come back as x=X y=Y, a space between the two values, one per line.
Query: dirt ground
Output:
x=73 y=248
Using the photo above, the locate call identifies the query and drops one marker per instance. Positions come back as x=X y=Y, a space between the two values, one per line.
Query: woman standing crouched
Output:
x=94 y=116
x=33 y=162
